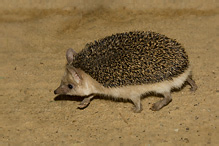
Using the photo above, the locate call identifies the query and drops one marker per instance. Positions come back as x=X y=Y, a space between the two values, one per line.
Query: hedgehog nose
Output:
x=55 y=92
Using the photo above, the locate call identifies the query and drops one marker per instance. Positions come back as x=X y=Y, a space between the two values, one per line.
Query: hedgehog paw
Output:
x=156 y=106
x=85 y=102
x=137 y=109
x=160 y=104
x=194 y=88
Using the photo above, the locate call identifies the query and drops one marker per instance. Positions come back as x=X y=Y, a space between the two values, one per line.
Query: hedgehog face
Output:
x=71 y=83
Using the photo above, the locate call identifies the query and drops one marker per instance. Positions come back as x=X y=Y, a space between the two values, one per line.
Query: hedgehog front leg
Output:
x=160 y=104
x=137 y=104
x=85 y=102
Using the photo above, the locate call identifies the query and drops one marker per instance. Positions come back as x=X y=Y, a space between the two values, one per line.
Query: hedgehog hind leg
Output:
x=192 y=84
x=160 y=104
x=137 y=104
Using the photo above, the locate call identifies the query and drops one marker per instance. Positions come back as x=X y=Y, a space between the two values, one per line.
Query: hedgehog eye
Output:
x=70 y=86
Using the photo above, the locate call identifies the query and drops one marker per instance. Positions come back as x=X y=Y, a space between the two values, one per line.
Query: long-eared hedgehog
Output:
x=127 y=65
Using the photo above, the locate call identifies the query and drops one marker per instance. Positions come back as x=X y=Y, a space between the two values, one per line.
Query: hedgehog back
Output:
x=132 y=58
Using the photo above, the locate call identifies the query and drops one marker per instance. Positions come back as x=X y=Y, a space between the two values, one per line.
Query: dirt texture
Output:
x=33 y=43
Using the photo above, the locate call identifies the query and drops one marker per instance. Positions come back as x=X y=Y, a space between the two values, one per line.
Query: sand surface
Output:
x=33 y=43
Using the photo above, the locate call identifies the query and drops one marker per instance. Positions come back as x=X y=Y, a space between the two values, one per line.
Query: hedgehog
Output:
x=127 y=66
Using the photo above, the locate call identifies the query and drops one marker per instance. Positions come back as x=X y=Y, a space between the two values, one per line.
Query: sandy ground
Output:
x=32 y=58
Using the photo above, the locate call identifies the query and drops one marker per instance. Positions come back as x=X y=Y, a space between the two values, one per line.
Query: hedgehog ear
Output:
x=75 y=74
x=70 y=53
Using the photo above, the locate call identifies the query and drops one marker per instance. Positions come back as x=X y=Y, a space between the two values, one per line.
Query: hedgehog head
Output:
x=72 y=82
